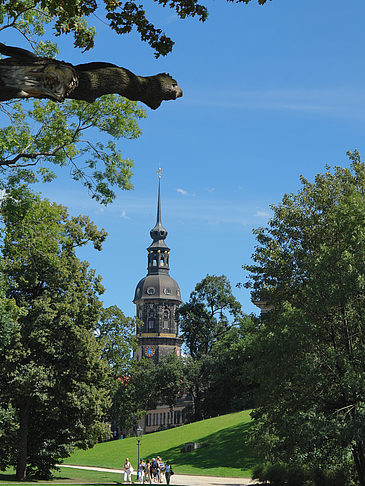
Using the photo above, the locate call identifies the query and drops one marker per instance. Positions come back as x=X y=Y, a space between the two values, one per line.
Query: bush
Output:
x=280 y=475
x=296 y=476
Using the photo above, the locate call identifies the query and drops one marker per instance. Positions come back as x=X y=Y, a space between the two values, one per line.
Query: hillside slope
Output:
x=225 y=451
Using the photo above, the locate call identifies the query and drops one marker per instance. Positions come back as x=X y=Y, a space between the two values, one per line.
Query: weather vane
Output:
x=159 y=172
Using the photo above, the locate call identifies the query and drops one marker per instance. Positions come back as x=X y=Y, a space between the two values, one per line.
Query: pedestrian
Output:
x=147 y=473
x=168 y=472
x=154 y=468
x=128 y=469
x=141 y=471
x=161 y=469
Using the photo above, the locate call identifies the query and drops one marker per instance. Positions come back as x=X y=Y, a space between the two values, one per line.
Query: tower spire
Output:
x=158 y=252
x=158 y=220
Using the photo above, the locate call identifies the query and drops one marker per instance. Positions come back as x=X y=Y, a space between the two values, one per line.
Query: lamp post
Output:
x=139 y=438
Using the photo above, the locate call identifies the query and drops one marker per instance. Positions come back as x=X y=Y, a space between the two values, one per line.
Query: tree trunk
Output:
x=358 y=452
x=21 y=468
x=24 y=75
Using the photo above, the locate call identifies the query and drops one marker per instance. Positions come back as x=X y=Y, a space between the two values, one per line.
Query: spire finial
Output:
x=158 y=220
x=158 y=233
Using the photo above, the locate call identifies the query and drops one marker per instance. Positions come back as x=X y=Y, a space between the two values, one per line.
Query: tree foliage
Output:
x=208 y=315
x=51 y=370
x=70 y=16
x=309 y=354
x=79 y=135
x=207 y=320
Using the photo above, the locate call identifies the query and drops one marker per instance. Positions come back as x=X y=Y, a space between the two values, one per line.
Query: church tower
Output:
x=157 y=297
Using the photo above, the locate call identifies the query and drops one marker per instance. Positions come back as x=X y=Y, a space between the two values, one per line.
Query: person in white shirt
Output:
x=128 y=471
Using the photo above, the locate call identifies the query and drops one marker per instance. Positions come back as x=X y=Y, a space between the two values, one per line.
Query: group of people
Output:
x=154 y=471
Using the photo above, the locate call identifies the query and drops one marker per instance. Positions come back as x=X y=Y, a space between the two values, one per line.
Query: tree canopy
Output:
x=209 y=313
x=308 y=357
x=70 y=16
x=51 y=369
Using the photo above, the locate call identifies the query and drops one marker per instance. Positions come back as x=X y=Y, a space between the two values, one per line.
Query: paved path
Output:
x=183 y=479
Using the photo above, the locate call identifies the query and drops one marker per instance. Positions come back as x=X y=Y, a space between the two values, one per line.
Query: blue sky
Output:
x=270 y=92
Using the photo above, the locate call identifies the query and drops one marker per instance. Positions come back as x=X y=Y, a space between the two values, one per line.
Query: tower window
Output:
x=165 y=324
x=151 y=324
x=166 y=314
x=152 y=314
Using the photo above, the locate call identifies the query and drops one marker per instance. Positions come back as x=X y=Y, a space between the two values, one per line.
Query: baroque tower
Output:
x=157 y=297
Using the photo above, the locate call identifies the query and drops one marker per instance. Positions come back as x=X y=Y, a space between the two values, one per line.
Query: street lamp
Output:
x=139 y=438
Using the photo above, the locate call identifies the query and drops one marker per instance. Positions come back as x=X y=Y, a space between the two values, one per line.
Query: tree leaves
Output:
x=309 y=353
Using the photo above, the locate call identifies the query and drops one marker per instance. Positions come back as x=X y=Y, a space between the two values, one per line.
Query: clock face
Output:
x=150 y=351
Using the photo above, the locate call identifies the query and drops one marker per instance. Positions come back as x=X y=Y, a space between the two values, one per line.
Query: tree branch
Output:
x=24 y=75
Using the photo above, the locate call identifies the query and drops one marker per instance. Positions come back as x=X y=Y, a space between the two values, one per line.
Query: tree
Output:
x=309 y=265
x=71 y=17
x=51 y=370
x=79 y=135
x=25 y=74
x=228 y=387
x=206 y=318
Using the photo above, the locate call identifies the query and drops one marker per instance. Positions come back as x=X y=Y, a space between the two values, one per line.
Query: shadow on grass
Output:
x=225 y=448
x=10 y=478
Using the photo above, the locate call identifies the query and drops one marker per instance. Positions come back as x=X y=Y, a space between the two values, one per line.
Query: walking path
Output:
x=183 y=479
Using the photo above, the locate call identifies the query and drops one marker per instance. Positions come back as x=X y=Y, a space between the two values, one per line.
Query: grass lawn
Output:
x=67 y=475
x=72 y=476
x=225 y=451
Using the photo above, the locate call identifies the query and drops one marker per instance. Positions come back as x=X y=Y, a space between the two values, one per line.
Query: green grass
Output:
x=67 y=475
x=72 y=476
x=225 y=451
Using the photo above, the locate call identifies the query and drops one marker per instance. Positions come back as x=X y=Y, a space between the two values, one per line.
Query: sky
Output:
x=270 y=93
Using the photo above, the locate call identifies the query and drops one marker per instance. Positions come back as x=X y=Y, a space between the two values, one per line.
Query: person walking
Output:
x=168 y=472
x=128 y=471
x=141 y=471
x=154 y=468
x=161 y=469
x=147 y=473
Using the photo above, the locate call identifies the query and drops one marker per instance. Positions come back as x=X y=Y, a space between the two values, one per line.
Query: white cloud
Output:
x=124 y=215
x=210 y=189
x=262 y=214
x=182 y=191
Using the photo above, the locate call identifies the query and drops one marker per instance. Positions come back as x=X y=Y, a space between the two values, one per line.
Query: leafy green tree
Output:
x=78 y=135
x=308 y=357
x=169 y=379
x=122 y=16
x=53 y=381
x=210 y=312
x=117 y=336
x=228 y=388
x=205 y=319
